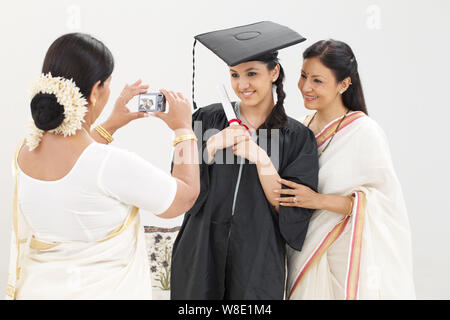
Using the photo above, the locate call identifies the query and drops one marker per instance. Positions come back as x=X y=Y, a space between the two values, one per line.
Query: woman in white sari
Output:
x=76 y=225
x=358 y=241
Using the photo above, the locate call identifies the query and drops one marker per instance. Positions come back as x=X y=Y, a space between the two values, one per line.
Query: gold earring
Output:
x=94 y=101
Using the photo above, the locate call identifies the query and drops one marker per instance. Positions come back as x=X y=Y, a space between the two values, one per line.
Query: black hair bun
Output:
x=47 y=113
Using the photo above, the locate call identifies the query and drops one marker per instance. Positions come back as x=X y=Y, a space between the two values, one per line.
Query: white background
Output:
x=402 y=47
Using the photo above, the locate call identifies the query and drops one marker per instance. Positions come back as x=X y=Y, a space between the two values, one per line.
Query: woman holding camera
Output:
x=358 y=244
x=77 y=231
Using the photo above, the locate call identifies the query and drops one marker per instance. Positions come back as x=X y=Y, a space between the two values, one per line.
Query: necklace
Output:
x=334 y=133
x=251 y=124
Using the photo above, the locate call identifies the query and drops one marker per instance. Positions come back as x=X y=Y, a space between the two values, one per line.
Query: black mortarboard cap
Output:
x=241 y=44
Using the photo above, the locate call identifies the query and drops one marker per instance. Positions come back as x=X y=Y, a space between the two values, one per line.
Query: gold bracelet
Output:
x=184 y=138
x=350 y=211
x=105 y=134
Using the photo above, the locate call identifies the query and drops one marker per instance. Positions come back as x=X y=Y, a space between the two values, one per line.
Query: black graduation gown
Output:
x=218 y=255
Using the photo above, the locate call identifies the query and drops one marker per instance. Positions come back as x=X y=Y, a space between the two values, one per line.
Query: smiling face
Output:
x=252 y=82
x=318 y=85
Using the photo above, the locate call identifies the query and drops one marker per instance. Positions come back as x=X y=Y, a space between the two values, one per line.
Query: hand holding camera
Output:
x=121 y=114
x=179 y=115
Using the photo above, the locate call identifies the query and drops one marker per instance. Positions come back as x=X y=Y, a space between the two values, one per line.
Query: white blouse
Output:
x=95 y=196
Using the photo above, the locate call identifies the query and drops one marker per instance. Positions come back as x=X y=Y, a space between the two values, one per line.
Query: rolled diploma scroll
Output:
x=227 y=107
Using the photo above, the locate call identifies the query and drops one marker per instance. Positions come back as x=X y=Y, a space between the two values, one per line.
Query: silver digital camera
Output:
x=151 y=102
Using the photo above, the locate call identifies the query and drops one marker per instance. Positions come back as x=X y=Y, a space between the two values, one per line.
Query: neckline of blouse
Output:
x=65 y=177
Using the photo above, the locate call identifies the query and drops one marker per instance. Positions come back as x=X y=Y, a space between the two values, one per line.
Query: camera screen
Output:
x=151 y=102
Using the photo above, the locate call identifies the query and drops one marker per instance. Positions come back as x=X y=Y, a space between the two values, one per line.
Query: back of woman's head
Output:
x=339 y=58
x=75 y=56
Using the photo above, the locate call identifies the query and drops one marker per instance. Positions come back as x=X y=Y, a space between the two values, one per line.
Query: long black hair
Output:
x=75 y=56
x=339 y=58
x=277 y=117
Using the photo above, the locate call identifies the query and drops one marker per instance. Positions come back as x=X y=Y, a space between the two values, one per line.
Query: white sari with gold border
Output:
x=366 y=255
x=115 y=267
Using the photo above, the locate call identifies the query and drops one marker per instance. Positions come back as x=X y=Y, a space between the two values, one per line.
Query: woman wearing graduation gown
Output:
x=232 y=242
x=358 y=245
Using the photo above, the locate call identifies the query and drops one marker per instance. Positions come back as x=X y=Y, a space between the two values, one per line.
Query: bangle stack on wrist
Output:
x=105 y=134
x=184 y=138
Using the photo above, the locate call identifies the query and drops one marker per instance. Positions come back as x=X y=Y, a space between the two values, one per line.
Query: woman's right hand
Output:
x=121 y=114
x=226 y=138
x=179 y=115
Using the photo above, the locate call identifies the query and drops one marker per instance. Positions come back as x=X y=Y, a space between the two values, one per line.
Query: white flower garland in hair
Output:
x=69 y=96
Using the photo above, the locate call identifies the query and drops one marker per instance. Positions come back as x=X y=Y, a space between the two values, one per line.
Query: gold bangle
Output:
x=184 y=138
x=105 y=134
x=350 y=211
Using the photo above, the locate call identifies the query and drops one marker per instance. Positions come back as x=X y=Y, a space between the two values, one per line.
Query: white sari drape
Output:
x=367 y=255
x=115 y=267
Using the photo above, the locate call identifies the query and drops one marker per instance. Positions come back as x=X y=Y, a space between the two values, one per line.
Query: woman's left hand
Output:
x=121 y=114
x=248 y=149
x=305 y=196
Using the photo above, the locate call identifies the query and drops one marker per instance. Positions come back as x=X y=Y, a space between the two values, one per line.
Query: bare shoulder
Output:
x=49 y=161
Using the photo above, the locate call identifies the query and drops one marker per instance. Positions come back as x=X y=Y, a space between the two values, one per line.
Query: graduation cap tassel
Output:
x=193 y=73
